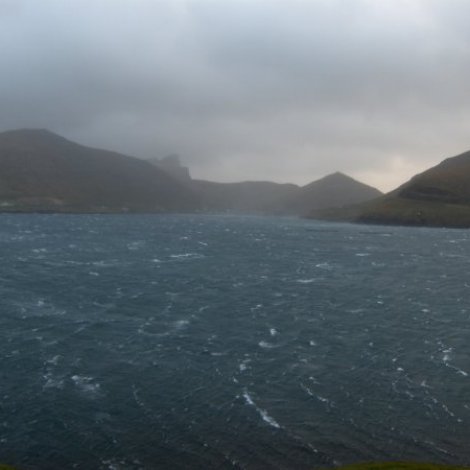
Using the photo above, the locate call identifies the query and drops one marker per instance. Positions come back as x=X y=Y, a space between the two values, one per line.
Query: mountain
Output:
x=438 y=197
x=263 y=197
x=248 y=197
x=334 y=190
x=40 y=170
x=171 y=164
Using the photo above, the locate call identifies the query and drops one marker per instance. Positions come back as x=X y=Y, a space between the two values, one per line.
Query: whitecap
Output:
x=446 y=355
x=183 y=256
x=181 y=324
x=86 y=384
x=328 y=402
x=54 y=360
x=266 y=345
x=273 y=332
x=323 y=265
x=52 y=382
x=244 y=364
x=263 y=413
x=305 y=281
x=135 y=245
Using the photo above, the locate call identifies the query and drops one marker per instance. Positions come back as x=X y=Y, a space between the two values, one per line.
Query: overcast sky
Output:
x=286 y=90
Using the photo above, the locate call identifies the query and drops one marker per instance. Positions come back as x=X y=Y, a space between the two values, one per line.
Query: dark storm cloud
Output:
x=283 y=90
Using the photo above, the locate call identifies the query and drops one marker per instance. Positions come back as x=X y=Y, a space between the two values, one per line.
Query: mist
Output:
x=246 y=90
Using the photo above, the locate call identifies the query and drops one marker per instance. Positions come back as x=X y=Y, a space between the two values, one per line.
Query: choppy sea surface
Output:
x=174 y=342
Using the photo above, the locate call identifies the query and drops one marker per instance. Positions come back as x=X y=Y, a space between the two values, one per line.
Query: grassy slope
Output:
x=438 y=197
x=401 y=211
x=43 y=171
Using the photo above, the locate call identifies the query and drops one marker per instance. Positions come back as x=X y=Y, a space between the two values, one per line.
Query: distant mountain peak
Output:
x=337 y=174
x=171 y=164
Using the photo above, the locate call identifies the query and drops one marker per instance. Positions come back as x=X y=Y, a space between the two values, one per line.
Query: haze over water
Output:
x=172 y=341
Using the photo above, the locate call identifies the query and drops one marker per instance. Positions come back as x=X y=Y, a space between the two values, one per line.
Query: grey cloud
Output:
x=286 y=90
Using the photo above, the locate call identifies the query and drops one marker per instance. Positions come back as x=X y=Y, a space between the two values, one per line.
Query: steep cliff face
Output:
x=171 y=165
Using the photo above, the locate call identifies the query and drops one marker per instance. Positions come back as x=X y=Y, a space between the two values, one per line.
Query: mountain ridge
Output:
x=436 y=197
x=40 y=170
x=43 y=171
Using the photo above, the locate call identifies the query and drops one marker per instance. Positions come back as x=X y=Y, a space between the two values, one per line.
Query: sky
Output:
x=281 y=90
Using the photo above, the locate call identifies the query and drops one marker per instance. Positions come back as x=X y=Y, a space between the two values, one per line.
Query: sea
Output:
x=231 y=342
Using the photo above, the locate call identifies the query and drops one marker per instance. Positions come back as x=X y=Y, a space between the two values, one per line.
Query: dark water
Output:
x=145 y=342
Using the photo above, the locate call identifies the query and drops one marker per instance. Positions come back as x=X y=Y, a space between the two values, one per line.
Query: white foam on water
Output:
x=243 y=366
x=133 y=246
x=446 y=358
x=305 y=281
x=138 y=400
x=52 y=382
x=446 y=355
x=54 y=360
x=263 y=413
x=180 y=324
x=273 y=332
x=266 y=345
x=320 y=398
x=323 y=266
x=86 y=384
x=248 y=398
x=183 y=256
x=104 y=264
x=114 y=464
